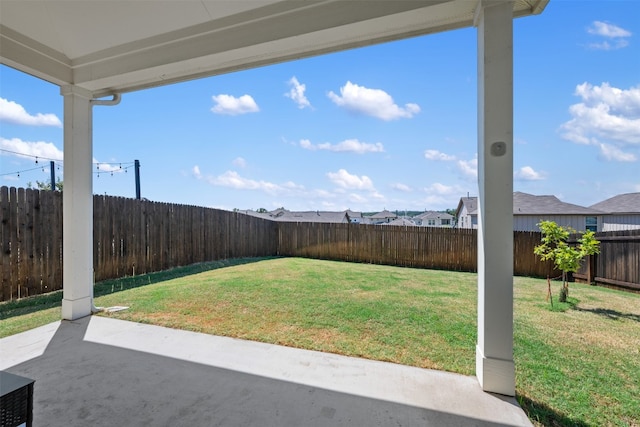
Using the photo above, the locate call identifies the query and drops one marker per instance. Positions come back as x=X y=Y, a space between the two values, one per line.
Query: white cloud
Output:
x=438 y=156
x=617 y=36
x=611 y=152
x=293 y=186
x=345 y=180
x=357 y=198
x=196 y=172
x=372 y=102
x=605 y=45
x=230 y=105
x=607 y=30
x=401 y=187
x=442 y=189
x=232 y=179
x=12 y=112
x=107 y=167
x=527 y=173
x=296 y=93
x=239 y=162
x=469 y=168
x=606 y=115
x=28 y=150
x=348 y=145
x=441 y=196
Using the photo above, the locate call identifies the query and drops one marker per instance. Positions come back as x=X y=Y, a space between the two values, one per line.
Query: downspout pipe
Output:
x=115 y=100
x=108 y=102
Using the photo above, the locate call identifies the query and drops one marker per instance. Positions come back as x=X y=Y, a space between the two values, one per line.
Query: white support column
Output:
x=495 y=368
x=77 y=300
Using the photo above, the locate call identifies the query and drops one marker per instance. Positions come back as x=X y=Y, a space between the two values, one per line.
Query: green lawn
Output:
x=578 y=364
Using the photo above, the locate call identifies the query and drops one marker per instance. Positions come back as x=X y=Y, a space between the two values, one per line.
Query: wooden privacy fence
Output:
x=422 y=247
x=130 y=237
x=31 y=239
x=617 y=264
x=135 y=237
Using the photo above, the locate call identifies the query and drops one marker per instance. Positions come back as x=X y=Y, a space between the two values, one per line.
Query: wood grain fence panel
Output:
x=35 y=232
x=56 y=245
x=45 y=235
x=21 y=243
x=6 y=278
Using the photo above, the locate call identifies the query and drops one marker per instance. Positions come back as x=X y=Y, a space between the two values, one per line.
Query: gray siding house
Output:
x=623 y=212
x=529 y=210
x=434 y=219
x=381 y=217
x=467 y=213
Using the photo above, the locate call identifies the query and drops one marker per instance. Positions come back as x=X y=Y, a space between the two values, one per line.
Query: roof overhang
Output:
x=109 y=47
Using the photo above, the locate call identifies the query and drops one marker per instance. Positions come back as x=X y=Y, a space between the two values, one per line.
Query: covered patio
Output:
x=104 y=372
x=98 y=50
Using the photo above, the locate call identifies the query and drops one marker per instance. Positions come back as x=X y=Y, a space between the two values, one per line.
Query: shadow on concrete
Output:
x=83 y=382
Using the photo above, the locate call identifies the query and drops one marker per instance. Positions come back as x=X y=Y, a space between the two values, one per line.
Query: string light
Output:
x=19 y=172
x=29 y=155
x=58 y=163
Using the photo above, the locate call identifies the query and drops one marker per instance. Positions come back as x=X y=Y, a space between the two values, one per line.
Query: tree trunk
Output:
x=564 y=290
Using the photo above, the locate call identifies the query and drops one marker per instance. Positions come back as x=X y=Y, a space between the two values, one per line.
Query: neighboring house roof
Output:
x=278 y=212
x=353 y=214
x=434 y=215
x=383 y=215
x=312 y=216
x=471 y=203
x=622 y=203
x=401 y=221
x=256 y=214
x=529 y=204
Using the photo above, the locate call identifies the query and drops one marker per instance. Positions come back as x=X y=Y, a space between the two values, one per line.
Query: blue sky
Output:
x=390 y=126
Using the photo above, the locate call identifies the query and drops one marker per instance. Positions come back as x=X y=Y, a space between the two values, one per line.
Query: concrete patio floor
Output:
x=105 y=372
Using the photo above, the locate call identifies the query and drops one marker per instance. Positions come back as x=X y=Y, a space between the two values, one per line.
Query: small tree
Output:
x=566 y=258
x=46 y=186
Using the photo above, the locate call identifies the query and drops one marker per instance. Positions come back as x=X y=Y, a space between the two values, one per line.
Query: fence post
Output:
x=590 y=269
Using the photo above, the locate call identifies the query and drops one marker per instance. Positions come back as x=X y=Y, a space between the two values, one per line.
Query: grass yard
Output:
x=577 y=365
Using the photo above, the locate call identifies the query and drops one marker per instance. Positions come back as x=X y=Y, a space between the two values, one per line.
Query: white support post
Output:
x=495 y=368
x=77 y=300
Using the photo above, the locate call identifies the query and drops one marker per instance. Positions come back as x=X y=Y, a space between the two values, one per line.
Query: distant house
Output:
x=313 y=216
x=434 y=219
x=305 y=216
x=623 y=212
x=529 y=210
x=382 y=217
x=354 y=217
x=400 y=222
x=467 y=213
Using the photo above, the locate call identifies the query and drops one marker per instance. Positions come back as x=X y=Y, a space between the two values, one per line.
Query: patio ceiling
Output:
x=111 y=47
